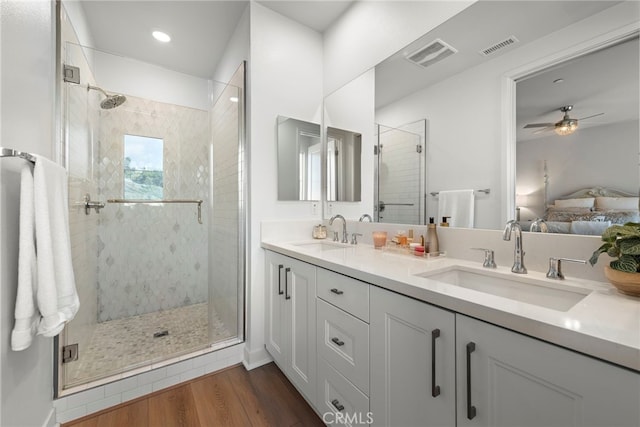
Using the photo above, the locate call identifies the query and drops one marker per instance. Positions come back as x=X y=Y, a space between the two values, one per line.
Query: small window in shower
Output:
x=143 y=167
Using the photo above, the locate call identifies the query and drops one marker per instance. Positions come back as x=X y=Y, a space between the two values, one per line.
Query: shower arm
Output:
x=89 y=87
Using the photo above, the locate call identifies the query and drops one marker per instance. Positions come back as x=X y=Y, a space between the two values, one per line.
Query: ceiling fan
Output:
x=566 y=126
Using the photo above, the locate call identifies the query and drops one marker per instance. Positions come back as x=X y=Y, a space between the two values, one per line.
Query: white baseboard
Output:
x=256 y=358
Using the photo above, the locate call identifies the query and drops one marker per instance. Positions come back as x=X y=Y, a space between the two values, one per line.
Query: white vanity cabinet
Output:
x=516 y=380
x=412 y=362
x=291 y=319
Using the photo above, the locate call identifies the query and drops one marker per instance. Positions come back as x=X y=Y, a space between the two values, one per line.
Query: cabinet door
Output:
x=300 y=298
x=405 y=335
x=276 y=317
x=520 y=381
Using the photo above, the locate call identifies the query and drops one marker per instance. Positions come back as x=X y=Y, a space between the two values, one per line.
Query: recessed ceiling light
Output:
x=558 y=80
x=233 y=99
x=161 y=36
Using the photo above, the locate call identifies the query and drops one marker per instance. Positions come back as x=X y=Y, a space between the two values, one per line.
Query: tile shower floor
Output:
x=121 y=344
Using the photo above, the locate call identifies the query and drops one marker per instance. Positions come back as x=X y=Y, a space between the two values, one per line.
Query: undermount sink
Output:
x=555 y=296
x=320 y=246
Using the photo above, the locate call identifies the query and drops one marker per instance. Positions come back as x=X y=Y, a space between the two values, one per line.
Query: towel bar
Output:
x=144 y=201
x=10 y=152
x=484 y=190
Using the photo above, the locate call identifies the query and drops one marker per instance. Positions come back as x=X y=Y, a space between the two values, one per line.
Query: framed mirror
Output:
x=456 y=81
x=299 y=160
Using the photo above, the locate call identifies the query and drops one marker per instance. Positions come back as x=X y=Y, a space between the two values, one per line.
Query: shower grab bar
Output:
x=484 y=190
x=144 y=201
x=10 y=152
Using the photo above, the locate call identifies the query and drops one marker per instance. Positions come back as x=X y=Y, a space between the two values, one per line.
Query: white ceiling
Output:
x=605 y=81
x=475 y=28
x=200 y=30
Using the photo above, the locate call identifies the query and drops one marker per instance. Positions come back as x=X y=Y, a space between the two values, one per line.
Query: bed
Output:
x=591 y=210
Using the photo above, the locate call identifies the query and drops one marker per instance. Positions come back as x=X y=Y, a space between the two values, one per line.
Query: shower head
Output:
x=111 y=101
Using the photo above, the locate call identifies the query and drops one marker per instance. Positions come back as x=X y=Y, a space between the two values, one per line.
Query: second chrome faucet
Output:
x=518 y=253
x=345 y=235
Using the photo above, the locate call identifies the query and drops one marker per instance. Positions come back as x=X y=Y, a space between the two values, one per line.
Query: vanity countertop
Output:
x=605 y=324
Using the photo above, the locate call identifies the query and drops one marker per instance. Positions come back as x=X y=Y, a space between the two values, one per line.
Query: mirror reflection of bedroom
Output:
x=578 y=143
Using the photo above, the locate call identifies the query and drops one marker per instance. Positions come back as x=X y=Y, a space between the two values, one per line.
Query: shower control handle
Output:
x=286 y=283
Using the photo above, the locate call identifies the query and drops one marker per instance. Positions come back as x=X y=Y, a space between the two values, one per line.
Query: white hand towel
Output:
x=26 y=312
x=459 y=205
x=57 y=296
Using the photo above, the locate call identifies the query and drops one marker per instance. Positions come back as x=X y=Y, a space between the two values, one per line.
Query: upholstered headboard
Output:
x=597 y=192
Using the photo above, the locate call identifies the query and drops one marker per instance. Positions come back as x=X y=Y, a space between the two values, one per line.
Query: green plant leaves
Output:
x=622 y=242
x=626 y=263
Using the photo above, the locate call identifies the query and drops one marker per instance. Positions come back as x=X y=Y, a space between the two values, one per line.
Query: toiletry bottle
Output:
x=444 y=222
x=432 y=238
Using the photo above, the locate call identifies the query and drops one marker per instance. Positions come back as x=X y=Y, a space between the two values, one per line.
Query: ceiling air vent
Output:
x=498 y=46
x=435 y=51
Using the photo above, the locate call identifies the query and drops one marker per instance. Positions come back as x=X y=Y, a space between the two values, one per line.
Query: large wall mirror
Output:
x=453 y=80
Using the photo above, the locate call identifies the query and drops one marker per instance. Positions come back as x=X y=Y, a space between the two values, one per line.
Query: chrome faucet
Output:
x=367 y=216
x=518 y=253
x=345 y=235
x=539 y=226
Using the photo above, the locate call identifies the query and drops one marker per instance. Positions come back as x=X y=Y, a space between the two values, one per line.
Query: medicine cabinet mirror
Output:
x=299 y=160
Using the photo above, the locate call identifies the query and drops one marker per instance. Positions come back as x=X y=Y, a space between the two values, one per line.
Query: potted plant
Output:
x=623 y=243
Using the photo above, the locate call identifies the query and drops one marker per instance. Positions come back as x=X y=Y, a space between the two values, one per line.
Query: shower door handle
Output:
x=280 y=267
x=286 y=283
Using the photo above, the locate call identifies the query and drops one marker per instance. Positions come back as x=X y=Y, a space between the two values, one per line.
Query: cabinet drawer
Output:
x=343 y=341
x=340 y=402
x=349 y=294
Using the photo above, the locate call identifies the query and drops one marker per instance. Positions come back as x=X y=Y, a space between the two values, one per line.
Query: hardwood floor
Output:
x=233 y=397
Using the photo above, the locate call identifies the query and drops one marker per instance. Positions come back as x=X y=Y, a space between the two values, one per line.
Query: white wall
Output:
x=469 y=155
x=603 y=156
x=285 y=79
x=27 y=103
x=370 y=31
x=237 y=50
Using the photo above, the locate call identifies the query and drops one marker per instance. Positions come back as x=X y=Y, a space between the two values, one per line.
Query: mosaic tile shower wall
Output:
x=153 y=256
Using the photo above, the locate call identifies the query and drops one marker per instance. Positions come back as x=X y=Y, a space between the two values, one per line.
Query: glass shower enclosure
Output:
x=156 y=199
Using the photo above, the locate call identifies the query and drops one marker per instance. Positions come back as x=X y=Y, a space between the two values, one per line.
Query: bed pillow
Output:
x=619 y=203
x=585 y=202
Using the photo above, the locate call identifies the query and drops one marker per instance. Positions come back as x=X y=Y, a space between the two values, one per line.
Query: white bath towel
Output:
x=26 y=312
x=53 y=283
x=459 y=205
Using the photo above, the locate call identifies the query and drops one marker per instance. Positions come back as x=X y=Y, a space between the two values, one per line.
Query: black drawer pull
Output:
x=337 y=341
x=280 y=267
x=435 y=389
x=286 y=283
x=471 y=410
x=337 y=291
x=336 y=403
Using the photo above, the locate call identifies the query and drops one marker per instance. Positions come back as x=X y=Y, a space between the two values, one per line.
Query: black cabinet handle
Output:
x=337 y=291
x=337 y=341
x=435 y=389
x=286 y=283
x=336 y=403
x=280 y=267
x=471 y=410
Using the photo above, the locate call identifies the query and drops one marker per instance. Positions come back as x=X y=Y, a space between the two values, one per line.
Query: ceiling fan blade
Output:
x=588 y=117
x=546 y=129
x=538 y=125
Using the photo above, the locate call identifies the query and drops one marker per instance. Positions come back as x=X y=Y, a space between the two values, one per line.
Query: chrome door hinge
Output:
x=419 y=148
x=69 y=353
x=71 y=74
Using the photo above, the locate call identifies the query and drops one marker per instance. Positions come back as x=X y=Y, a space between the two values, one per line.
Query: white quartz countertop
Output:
x=604 y=324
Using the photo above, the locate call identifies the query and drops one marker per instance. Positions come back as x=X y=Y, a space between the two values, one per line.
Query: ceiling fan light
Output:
x=566 y=127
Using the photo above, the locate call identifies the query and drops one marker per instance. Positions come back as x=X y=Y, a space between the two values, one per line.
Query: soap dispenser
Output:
x=444 y=222
x=432 y=238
